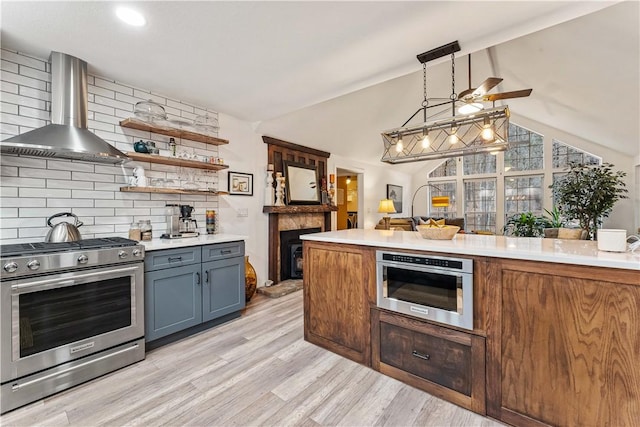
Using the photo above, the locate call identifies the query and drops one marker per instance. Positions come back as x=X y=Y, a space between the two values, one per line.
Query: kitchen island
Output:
x=556 y=325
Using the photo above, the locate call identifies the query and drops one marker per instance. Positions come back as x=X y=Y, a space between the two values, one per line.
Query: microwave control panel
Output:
x=449 y=263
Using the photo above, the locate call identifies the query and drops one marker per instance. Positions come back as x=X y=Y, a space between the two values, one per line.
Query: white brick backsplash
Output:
x=132 y=211
x=172 y=111
x=35 y=188
x=8 y=108
x=23 y=182
x=8 y=213
x=104 y=109
x=22 y=59
x=104 y=83
x=93 y=212
x=70 y=165
x=44 y=173
x=14 y=119
x=35 y=93
x=8 y=87
x=24 y=81
x=24 y=202
x=96 y=90
x=70 y=203
x=74 y=185
x=8 y=170
x=14 y=98
x=34 y=113
x=85 y=194
x=9 y=66
x=95 y=125
x=36 y=74
x=8 y=192
x=49 y=193
x=8 y=233
x=114 y=203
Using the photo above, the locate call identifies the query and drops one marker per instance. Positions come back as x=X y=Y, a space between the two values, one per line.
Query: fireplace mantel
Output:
x=299 y=209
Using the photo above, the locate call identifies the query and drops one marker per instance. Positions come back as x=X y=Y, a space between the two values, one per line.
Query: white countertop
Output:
x=203 y=239
x=578 y=252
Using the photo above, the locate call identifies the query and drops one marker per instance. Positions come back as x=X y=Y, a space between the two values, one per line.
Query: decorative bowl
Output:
x=149 y=111
x=445 y=232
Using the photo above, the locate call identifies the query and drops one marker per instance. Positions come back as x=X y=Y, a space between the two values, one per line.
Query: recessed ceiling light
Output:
x=131 y=16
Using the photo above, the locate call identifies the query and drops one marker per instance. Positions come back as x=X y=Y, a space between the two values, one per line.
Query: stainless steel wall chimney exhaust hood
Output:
x=67 y=136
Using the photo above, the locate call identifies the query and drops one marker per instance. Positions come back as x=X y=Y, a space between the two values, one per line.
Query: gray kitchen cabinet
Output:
x=188 y=287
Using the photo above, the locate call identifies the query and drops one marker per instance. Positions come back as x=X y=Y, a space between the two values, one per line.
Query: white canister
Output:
x=612 y=240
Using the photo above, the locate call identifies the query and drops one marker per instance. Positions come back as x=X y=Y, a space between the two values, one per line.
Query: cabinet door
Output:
x=223 y=290
x=173 y=300
x=337 y=280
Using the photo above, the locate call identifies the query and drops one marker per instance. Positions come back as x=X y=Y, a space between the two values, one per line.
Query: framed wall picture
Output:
x=240 y=184
x=302 y=185
x=394 y=192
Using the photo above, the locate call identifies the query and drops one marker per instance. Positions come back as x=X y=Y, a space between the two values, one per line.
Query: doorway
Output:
x=347 y=199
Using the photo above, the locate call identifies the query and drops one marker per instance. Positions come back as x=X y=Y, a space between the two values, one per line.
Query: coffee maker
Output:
x=179 y=222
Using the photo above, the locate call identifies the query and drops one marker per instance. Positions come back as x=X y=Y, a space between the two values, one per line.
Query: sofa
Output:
x=409 y=223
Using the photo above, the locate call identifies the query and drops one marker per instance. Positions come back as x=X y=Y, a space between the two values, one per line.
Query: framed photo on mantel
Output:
x=302 y=186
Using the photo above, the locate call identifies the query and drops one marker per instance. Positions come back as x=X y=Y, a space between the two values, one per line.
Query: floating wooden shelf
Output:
x=176 y=133
x=296 y=209
x=174 y=161
x=171 y=191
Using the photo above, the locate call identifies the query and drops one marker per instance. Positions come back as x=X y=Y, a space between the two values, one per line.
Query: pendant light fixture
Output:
x=473 y=130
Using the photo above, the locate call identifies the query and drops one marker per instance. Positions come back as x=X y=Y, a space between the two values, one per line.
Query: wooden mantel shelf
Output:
x=299 y=209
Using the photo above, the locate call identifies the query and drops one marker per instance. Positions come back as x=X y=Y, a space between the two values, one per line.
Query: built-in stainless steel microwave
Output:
x=430 y=287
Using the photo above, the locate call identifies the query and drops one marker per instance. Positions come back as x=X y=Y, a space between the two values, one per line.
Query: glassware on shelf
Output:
x=206 y=124
x=149 y=111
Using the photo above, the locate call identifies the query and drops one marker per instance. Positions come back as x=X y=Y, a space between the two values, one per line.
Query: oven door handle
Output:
x=63 y=282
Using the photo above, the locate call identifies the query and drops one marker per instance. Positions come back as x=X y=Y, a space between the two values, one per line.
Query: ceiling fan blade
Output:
x=466 y=93
x=487 y=85
x=506 y=95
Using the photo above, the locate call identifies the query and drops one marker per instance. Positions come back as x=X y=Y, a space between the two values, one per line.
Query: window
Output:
x=564 y=155
x=479 y=163
x=480 y=205
x=523 y=194
x=525 y=150
x=447 y=168
x=444 y=188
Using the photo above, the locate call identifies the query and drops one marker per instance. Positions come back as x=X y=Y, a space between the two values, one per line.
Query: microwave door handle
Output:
x=63 y=282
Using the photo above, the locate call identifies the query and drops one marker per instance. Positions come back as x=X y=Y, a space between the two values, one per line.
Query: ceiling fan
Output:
x=472 y=98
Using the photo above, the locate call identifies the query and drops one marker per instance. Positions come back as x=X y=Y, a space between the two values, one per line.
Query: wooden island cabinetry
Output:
x=553 y=344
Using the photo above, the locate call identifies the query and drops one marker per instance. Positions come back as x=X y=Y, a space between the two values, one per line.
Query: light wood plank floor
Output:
x=255 y=370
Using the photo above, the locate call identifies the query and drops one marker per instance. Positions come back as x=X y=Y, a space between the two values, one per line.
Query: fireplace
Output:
x=291 y=252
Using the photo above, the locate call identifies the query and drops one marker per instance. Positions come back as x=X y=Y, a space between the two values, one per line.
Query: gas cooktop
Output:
x=36 y=248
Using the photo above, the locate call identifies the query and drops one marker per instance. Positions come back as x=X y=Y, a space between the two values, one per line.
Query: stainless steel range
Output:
x=69 y=312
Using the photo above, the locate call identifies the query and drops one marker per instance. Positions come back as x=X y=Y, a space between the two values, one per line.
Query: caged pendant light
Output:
x=473 y=130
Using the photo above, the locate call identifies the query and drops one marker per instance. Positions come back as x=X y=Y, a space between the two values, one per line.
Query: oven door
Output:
x=441 y=295
x=52 y=319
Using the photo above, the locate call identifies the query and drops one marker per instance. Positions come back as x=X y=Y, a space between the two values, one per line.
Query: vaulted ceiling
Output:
x=332 y=75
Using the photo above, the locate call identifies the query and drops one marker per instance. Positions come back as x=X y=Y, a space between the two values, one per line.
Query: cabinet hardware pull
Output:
x=197 y=278
x=420 y=355
x=227 y=251
x=177 y=258
x=206 y=276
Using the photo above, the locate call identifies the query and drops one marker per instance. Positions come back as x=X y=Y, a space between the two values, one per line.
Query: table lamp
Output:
x=386 y=207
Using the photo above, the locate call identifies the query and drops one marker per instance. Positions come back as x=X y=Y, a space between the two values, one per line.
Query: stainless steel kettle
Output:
x=63 y=231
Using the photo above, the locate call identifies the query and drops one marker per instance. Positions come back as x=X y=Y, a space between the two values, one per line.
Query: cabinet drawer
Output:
x=434 y=358
x=222 y=251
x=158 y=260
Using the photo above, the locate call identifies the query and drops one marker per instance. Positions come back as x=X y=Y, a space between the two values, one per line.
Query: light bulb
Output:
x=426 y=141
x=399 y=145
x=487 y=133
x=453 y=137
x=348 y=180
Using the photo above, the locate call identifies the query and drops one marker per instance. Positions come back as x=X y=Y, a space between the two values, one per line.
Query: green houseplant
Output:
x=554 y=220
x=525 y=224
x=588 y=193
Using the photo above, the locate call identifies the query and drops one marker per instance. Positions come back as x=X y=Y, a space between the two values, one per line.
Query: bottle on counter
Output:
x=134 y=232
x=146 y=230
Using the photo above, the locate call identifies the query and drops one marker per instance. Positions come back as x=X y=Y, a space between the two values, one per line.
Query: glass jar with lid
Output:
x=146 y=230
x=134 y=231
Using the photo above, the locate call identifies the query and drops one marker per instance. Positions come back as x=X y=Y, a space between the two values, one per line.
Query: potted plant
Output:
x=588 y=193
x=525 y=224
x=554 y=220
